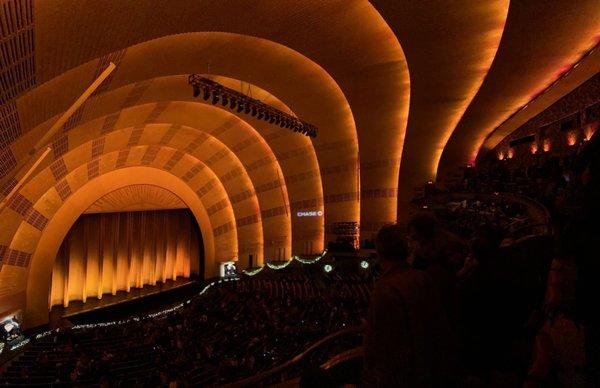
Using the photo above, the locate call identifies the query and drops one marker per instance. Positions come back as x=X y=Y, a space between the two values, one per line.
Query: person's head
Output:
x=422 y=231
x=391 y=243
x=423 y=227
x=490 y=235
x=485 y=242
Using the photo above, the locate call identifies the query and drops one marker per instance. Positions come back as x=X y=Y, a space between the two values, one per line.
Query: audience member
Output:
x=408 y=339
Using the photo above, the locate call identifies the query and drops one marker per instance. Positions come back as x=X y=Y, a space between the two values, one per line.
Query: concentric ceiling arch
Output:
x=340 y=65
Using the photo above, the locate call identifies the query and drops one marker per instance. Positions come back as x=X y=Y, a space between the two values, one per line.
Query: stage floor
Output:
x=158 y=296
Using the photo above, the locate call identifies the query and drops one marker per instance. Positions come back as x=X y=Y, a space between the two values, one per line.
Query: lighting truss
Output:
x=211 y=90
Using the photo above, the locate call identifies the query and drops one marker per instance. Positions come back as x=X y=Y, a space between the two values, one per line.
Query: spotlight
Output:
x=240 y=107
x=234 y=100
x=364 y=264
x=327 y=268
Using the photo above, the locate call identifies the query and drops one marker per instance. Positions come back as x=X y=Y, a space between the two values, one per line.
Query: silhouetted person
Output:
x=482 y=295
x=585 y=245
x=432 y=250
x=408 y=341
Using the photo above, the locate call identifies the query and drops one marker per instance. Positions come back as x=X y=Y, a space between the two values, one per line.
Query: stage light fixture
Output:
x=233 y=99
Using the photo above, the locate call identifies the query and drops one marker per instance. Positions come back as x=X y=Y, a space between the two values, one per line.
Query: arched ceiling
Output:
x=585 y=69
x=402 y=92
x=541 y=41
x=449 y=49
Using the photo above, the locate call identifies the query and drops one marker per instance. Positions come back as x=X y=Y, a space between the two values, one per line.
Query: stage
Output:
x=124 y=304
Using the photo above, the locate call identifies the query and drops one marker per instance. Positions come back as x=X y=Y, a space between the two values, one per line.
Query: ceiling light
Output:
x=233 y=99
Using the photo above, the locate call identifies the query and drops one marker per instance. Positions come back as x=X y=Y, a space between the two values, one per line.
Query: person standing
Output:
x=408 y=341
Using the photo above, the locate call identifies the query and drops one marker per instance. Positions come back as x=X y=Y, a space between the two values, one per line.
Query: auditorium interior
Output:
x=315 y=193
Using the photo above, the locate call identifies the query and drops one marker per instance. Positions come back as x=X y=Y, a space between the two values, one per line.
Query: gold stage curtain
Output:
x=110 y=252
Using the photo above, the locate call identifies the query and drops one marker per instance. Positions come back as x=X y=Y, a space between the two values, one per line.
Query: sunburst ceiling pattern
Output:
x=136 y=198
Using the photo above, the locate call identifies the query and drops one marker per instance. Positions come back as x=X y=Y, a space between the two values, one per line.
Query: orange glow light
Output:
x=534 y=148
x=510 y=153
x=588 y=132
x=572 y=138
x=546 y=145
x=500 y=155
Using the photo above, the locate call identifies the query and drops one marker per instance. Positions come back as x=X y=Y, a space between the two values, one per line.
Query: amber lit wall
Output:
x=382 y=131
x=110 y=252
x=557 y=130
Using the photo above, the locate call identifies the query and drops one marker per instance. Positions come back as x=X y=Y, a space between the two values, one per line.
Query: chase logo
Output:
x=312 y=213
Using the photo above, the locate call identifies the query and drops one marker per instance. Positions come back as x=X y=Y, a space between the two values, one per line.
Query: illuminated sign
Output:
x=227 y=269
x=311 y=213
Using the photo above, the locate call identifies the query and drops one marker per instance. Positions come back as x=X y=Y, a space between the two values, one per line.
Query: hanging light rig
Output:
x=211 y=90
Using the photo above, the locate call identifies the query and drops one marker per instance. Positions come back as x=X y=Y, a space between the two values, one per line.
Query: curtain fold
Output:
x=110 y=252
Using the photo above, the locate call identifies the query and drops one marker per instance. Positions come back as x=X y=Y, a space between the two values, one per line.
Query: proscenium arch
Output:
x=209 y=147
x=281 y=141
x=252 y=234
x=301 y=172
x=48 y=200
x=40 y=269
x=25 y=236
